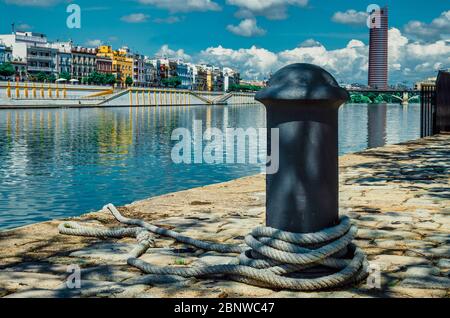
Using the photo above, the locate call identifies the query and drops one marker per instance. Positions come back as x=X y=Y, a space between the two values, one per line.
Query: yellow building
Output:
x=122 y=63
x=209 y=80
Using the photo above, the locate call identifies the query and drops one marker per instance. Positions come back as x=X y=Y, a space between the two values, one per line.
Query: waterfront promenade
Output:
x=40 y=95
x=398 y=195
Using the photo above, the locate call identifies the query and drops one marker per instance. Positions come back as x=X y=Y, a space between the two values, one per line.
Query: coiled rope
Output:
x=270 y=258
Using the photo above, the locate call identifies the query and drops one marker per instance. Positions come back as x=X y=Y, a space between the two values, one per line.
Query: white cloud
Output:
x=310 y=43
x=183 y=5
x=168 y=20
x=351 y=17
x=253 y=62
x=247 y=28
x=135 y=18
x=167 y=52
x=23 y=27
x=271 y=9
x=438 y=29
x=408 y=61
x=94 y=43
x=32 y=3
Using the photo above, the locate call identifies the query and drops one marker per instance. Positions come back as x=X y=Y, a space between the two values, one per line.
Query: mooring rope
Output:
x=270 y=258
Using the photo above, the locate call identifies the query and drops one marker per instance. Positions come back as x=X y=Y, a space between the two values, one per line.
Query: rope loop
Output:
x=270 y=258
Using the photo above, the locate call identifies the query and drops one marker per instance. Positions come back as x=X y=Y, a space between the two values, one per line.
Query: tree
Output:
x=7 y=69
x=244 y=88
x=171 y=81
x=51 y=78
x=129 y=81
x=65 y=75
x=96 y=78
x=41 y=77
x=110 y=79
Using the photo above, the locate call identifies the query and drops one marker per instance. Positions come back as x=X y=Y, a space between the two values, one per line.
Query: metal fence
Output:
x=428 y=125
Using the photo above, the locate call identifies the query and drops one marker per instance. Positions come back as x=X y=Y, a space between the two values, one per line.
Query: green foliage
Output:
x=65 y=75
x=109 y=79
x=171 y=82
x=244 y=88
x=51 y=78
x=41 y=77
x=129 y=81
x=101 y=79
x=374 y=98
x=7 y=69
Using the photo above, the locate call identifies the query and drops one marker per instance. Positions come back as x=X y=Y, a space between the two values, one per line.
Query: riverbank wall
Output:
x=38 y=95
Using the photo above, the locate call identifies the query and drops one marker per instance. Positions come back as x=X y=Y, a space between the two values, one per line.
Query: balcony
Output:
x=40 y=69
x=39 y=57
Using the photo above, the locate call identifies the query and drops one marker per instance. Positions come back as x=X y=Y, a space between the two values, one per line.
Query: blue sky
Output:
x=272 y=32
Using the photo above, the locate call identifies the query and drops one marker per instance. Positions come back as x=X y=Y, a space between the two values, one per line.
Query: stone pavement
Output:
x=398 y=195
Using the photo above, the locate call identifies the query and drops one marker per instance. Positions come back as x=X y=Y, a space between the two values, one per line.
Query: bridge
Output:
x=403 y=96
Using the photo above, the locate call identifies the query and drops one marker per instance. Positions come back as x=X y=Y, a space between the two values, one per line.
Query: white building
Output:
x=139 y=72
x=34 y=49
x=230 y=77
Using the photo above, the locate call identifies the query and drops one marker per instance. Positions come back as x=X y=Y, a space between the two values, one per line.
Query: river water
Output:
x=56 y=163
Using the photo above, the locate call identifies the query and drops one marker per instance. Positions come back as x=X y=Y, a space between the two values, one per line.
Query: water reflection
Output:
x=376 y=125
x=64 y=162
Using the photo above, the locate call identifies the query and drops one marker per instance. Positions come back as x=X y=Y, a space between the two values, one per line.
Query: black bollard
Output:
x=302 y=101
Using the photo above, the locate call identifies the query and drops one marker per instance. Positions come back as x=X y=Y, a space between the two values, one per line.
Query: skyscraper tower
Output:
x=378 y=50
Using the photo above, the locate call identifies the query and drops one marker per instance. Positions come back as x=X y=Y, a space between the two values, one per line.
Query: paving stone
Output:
x=421 y=271
x=444 y=263
x=35 y=267
x=17 y=281
x=429 y=282
x=437 y=252
x=438 y=238
x=382 y=234
x=166 y=260
x=39 y=293
x=151 y=279
x=418 y=244
x=395 y=262
x=417 y=292
x=236 y=289
x=429 y=225
x=108 y=252
x=109 y=273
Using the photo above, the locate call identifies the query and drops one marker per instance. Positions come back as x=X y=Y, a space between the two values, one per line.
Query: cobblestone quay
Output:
x=398 y=195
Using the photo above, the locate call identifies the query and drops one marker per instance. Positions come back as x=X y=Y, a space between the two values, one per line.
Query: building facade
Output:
x=184 y=73
x=378 y=49
x=104 y=65
x=122 y=63
x=230 y=78
x=63 y=57
x=151 y=74
x=84 y=62
x=5 y=53
x=139 y=70
x=33 y=49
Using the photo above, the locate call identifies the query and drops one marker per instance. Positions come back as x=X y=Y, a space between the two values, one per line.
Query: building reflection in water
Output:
x=376 y=125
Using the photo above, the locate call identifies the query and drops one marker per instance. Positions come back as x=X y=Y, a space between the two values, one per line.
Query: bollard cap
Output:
x=303 y=84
